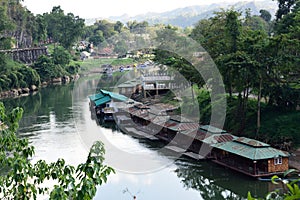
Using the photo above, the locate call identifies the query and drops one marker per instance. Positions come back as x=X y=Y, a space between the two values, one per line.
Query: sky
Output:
x=106 y=8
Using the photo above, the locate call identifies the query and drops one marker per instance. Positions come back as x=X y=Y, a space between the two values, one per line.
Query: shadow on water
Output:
x=38 y=107
x=216 y=182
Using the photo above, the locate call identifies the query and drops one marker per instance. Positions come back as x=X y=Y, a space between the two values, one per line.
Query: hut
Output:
x=251 y=157
x=128 y=88
x=103 y=102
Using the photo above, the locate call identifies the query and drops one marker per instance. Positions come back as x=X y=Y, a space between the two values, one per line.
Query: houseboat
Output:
x=251 y=157
x=104 y=104
x=245 y=155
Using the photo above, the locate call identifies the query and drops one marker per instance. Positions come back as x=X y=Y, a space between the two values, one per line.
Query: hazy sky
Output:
x=106 y=8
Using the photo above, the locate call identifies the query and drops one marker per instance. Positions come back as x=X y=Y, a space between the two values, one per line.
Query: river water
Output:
x=59 y=124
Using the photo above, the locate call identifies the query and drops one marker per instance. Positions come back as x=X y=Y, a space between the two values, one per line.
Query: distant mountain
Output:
x=189 y=16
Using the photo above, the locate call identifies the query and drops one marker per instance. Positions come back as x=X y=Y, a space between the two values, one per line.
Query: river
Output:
x=58 y=123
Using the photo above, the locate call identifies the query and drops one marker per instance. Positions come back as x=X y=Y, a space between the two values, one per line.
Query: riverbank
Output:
x=18 y=92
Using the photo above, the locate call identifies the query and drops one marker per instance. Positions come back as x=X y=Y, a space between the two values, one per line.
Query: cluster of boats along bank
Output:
x=187 y=137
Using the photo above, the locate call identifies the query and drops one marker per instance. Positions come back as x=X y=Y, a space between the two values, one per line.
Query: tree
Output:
x=118 y=26
x=21 y=179
x=284 y=7
x=61 y=56
x=265 y=15
x=96 y=38
x=40 y=34
x=45 y=68
x=233 y=26
x=65 y=29
x=106 y=27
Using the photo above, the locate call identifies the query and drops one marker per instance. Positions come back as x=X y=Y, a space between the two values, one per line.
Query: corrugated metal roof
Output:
x=250 y=152
x=251 y=142
x=212 y=129
x=96 y=96
x=160 y=120
x=182 y=126
x=188 y=126
x=180 y=118
x=102 y=100
x=219 y=138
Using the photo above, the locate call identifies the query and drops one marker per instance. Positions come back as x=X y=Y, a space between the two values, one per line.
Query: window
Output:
x=278 y=161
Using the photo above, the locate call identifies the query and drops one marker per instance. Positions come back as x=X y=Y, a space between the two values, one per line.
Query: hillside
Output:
x=188 y=16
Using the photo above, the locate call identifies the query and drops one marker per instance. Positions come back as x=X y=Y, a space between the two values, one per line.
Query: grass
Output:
x=90 y=64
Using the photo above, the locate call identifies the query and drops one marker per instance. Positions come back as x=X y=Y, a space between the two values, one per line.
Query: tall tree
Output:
x=65 y=29
x=266 y=15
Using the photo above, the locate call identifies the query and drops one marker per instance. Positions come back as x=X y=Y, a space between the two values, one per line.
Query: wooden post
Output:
x=156 y=88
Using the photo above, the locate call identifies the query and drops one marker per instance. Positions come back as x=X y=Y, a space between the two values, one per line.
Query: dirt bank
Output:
x=295 y=160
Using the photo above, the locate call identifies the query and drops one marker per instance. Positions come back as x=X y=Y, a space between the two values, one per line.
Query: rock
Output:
x=57 y=80
x=25 y=90
x=66 y=79
x=44 y=83
x=33 y=88
x=19 y=91
x=75 y=77
x=14 y=92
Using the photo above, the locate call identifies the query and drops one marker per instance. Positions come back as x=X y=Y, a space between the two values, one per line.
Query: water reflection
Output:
x=56 y=122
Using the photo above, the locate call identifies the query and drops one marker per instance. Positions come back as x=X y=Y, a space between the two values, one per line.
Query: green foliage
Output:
x=96 y=38
x=279 y=127
x=289 y=191
x=46 y=68
x=73 y=68
x=21 y=179
x=265 y=15
x=284 y=7
x=65 y=29
x=16 y=75
x=254 y=63
x=55 y=66
x=61 y=56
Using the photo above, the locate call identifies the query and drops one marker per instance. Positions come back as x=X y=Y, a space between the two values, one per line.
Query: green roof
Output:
x=116 y=96
x=96 y=96
x=251 y=142
x=102 y=100
x=129 y=84
x=219 y=138
x=250 y=152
